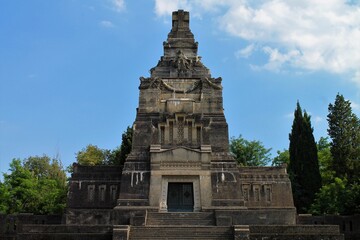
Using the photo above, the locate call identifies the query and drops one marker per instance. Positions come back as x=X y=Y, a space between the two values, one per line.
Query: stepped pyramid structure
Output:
x=180 y=159
x=180 y=180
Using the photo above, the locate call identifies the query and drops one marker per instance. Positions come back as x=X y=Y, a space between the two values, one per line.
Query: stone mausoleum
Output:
x=180 y=180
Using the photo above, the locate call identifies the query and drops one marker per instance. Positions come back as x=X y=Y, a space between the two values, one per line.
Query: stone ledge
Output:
x=225 y=208
x=136 y=208
x=84 y=229
x=295 y=229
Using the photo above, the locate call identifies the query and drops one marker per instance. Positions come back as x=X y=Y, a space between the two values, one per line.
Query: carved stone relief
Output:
x=179 y=130
x=158 y=83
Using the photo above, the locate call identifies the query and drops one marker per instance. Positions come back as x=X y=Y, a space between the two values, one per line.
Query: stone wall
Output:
x=11 y=224
x=68 y=232
x=168 y=107
x=94 y=187
x=265 y=187
x=251 y=187
x=277 y=232
x=264 y=216
x=88 y=216
x=300 y=232
x=349 y=225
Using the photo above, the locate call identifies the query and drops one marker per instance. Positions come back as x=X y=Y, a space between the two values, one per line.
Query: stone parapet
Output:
x=348 y=225
x=299 y=232
x=73 y=232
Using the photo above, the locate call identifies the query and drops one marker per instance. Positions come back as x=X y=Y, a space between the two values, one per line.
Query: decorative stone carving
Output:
x=198 y=62
x=212 y=83
x=182 y=63
x=158 y=83
x=146 y=83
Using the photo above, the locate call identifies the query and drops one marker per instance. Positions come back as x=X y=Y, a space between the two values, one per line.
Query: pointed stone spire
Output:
x=180 y=25
x=180 y=52
x=180 y=37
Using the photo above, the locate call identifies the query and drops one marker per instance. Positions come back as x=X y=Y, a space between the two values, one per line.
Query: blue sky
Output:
x=69 y=70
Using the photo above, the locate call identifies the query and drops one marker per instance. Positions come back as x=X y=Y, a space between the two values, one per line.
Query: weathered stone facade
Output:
x=181 y=136
x=180 y=180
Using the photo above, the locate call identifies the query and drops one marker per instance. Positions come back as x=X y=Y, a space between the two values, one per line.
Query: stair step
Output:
x=181 y=232
x=188 y=218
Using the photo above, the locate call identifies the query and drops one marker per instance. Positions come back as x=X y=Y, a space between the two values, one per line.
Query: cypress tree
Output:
x=304 y=165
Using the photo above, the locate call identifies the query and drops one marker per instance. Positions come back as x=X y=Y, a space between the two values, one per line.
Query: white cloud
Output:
x=356 y=77
x=245 y=52
x=317 y=119
x=166 y=7
x=119 y=5
x=289 y=115
x=303 y=34
x=355 y=106
x=106 y=24
x=197 y=7
x=278 y=59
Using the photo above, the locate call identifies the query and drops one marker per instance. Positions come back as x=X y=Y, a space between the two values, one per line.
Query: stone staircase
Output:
x=181 y=225
x=181 y=233
x=181 y=218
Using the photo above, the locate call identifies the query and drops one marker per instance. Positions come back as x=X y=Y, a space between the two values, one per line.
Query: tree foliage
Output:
x=338 y=197
x=325 y=161
x=36 y=185
x=330 y=198
x=249 y=153
x=283 y=157
x=119 y=154
x=92 y=155
x=303 y=166
x=339 y=162
x=126 y=145
x=344 y=131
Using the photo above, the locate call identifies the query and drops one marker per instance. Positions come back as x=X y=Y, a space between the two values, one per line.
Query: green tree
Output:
x=325 y=161
x=303 y=166
x=113 y=157
x=249 y=153
x=119 y=154
x=337 y=197
x=46 y=168
x=92 y=155
x=283 y=157
x=330 y=199
x=36 y=185
x=20 y=186
x=4 y=198
x=126 y=144
x=344 y=131
x=339 y=162
x=352 y=203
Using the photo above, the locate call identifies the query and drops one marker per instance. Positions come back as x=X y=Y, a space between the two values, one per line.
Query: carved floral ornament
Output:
x=158 y=83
